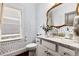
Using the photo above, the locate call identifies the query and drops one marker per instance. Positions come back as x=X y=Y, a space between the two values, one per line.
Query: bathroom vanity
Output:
x=60 y=18
x=56 y=46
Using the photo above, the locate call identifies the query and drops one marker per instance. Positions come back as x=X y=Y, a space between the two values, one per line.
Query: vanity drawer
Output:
x=65 y=51
x=52 y=53
x=49 y=45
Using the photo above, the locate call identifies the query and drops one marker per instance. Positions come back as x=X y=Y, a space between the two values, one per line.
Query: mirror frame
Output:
x=57 y=4
x=77 y=9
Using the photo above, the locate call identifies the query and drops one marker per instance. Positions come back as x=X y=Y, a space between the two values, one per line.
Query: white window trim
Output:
x=9 y=39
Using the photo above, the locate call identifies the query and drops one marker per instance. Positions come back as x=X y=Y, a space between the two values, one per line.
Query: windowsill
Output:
x=10 y=39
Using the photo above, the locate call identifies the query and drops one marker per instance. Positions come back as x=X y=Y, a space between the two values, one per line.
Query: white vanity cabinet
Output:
x=57 y=47
x=43 y=51
x=51 y=48
x=45 y=48
x=40 y=50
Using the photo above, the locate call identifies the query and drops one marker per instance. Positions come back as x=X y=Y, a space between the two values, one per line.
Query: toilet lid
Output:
x=31 y=45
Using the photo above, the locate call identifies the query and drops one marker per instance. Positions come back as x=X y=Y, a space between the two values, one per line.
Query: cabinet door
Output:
x=65 y=51
x=41 y=51
x=49 y=45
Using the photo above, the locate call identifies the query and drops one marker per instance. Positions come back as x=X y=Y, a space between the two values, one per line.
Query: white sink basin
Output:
x=31 y=46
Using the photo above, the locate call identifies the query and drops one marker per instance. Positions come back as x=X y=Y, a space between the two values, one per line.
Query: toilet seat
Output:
x=31 y=46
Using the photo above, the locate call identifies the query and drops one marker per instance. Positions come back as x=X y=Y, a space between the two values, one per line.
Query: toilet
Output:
x=31 y=47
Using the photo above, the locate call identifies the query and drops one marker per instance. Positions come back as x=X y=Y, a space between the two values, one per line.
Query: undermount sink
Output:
x=31 y=46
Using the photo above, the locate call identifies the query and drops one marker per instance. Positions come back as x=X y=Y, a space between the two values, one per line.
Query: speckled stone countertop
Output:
x=62 y=41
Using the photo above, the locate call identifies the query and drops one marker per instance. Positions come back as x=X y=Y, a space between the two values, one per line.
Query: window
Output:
x=10 y=23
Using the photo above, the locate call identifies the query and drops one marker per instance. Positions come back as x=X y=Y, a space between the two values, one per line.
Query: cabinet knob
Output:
x=49 y=54
x=37 y=41
x=45 y=51
x=38 y=34
x=65 y=53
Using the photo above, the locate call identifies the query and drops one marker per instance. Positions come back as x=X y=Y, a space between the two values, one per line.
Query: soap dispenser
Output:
x=66 y=34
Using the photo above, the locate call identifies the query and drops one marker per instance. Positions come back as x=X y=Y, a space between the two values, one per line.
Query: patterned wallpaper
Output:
x=9 y=46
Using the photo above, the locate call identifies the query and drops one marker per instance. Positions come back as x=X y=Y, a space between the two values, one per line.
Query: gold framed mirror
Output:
x=71 y=12
x=77 y=9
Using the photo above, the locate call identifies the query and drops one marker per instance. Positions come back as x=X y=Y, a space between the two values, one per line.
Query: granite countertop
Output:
x=61 y=40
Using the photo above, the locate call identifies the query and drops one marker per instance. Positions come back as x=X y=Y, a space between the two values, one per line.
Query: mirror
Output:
x=62 y=14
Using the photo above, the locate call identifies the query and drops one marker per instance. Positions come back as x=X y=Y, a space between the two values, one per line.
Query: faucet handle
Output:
x=38 y=34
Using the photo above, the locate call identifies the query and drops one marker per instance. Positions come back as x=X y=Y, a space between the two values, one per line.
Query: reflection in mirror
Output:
x=69 y=18
x=60 y=17
x=62 y=14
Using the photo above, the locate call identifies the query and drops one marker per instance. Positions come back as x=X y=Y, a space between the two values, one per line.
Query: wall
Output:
x=30 y=21
x=41 y=16
x=28 y=28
